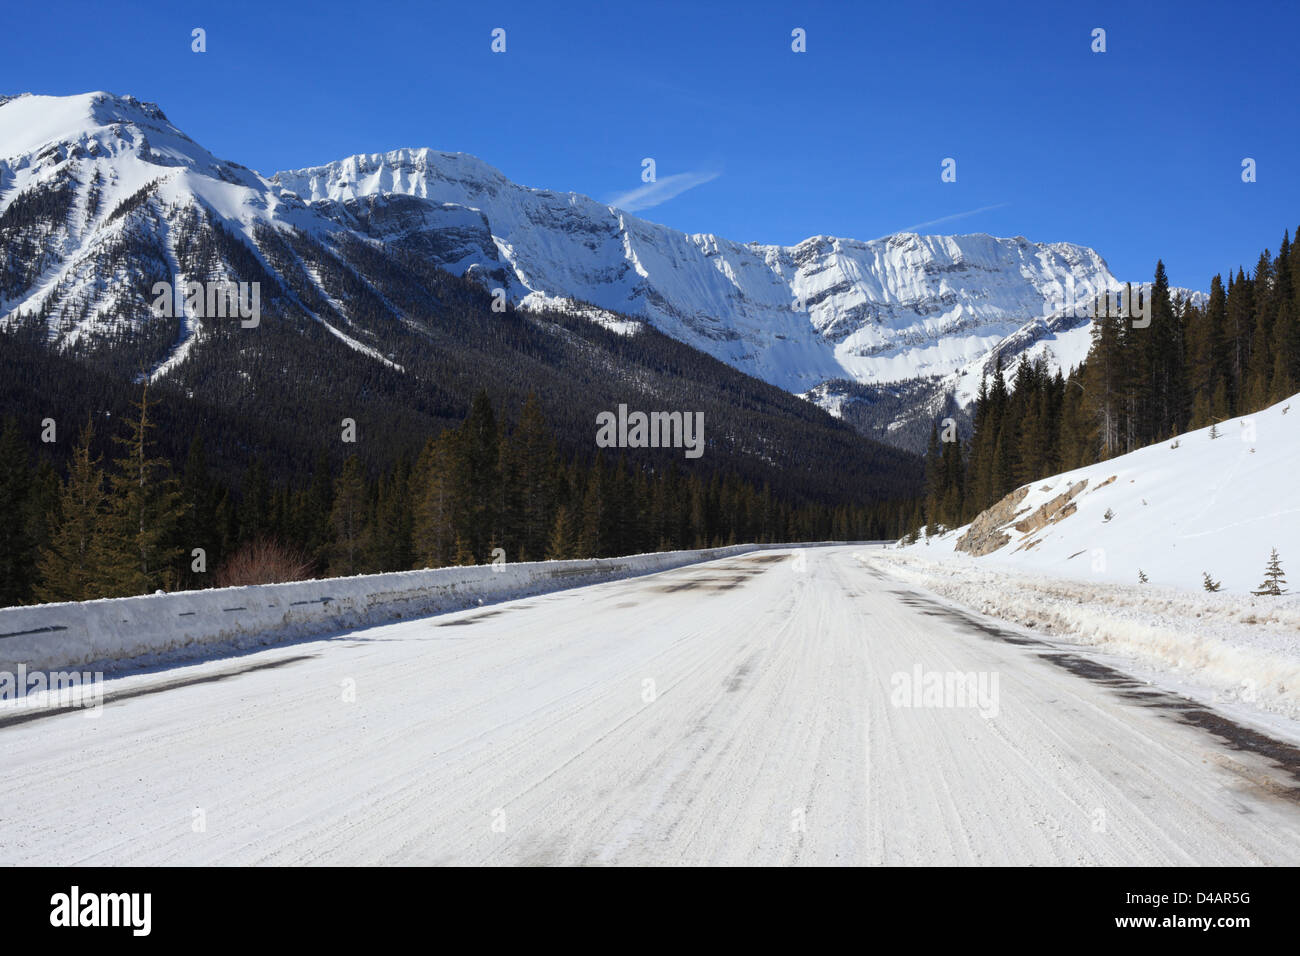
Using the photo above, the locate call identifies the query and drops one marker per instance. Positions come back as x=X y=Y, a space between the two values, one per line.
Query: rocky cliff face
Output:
x=888 y=310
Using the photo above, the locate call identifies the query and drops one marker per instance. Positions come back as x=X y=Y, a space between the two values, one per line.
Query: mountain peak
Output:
x=410 y=171
x=30 y=122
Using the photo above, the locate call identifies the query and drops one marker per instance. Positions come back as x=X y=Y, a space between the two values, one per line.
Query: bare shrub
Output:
x=263 y=561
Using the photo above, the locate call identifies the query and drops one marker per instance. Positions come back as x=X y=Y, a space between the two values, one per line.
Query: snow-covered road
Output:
x=742 y=711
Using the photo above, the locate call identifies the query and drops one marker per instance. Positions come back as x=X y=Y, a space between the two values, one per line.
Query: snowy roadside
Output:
x=1235 y=651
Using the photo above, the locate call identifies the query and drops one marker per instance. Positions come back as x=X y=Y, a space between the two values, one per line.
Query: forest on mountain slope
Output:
x=1191 y=367
x=483 y=440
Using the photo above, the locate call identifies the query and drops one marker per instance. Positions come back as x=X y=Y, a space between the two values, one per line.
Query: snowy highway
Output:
x=770 y=708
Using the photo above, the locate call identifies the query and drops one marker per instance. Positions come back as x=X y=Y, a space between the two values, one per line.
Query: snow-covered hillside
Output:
x=1171 y=511
x=1065 y=557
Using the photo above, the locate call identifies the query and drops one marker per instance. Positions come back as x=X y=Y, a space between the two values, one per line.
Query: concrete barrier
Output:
x=49 y=636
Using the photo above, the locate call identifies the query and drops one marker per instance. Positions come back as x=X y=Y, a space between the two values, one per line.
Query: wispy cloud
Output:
x=957 y=215
x=661 y=190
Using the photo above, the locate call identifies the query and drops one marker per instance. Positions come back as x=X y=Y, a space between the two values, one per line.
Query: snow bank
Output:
x=51 y=636
x=1242 y=649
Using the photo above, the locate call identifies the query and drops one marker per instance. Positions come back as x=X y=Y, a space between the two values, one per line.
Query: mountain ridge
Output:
x=904 y=315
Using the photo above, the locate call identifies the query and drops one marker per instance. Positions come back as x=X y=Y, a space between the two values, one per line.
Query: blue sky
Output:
x=1136 y=151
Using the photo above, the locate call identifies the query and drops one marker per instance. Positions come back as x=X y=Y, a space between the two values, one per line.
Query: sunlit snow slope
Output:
x=1176 y=509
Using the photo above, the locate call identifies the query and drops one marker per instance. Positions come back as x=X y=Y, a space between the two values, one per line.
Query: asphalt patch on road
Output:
x=1281 y=756
x=955 y=616
x=473 y=619
x=116 y=697
x=724 y=577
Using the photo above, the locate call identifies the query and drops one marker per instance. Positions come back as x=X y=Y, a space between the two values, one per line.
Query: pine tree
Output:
x=463 y=556
x=1208 y=582
x=476 y=476
x=391 y=547
x=933 y=476
x=349 y=518
x=1286 y=332
x=1205 y=350
x=591 y=538
x=560 y=547
x=67 y=568
x=433 y=533
x=1274 y=577
x=1104 y=383
x=1241 y=320
x=536 y=464
x=315 y=528
x=140 y=550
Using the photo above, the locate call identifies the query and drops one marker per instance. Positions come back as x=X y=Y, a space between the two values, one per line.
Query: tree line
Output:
x=133 y=522
x=1192 y=366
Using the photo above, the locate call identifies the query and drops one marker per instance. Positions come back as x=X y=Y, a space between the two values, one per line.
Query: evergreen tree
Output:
x=67 y=569
x=1103 y=384
x=476 y=475
x=392 y=540
x=140 y=550
x=1286 y=343
x=1241 y=320
x=434 y=535
x=560 y=546
x=591 y=538
x=314 y=521
x=1274 y=578
x=349 y=518
x=536 y=465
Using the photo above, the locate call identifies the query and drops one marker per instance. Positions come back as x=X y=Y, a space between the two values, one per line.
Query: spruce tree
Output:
x=1286 y=341
x=67 y=570
x=1274 y=577
x=350 y=519
x=591 y=538
x=476 y=475
x=433 y=533
x=560 y=546
x=536 y=464
x=140 y=549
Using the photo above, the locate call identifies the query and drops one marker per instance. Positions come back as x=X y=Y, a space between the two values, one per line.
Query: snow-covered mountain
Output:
x=887 y=310
x=101 y=197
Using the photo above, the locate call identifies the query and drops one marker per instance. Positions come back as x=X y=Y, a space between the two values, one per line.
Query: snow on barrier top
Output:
x=49 y=636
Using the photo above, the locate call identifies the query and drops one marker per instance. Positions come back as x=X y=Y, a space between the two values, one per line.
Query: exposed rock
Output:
x=985 y=534
x=992 y=528
x=1053 y=510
